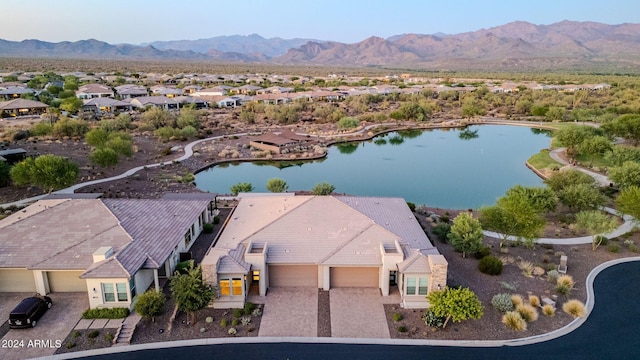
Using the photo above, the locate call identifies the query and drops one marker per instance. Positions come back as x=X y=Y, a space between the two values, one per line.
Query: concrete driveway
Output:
x=289 y=311
x=358 y=313
x=53 y=327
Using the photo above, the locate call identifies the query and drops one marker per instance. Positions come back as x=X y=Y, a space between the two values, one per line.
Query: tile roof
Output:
x=21 y=104
x=331 y=230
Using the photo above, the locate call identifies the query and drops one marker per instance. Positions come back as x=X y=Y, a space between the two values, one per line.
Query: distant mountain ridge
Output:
x=514 y=46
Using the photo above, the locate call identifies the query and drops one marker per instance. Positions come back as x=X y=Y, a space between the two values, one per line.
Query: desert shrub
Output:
x=402 y=329
x=237 y=313
x=534 y=300
x=508 y=286
x=433 y=320
x=633 y=248
x=601 y=239
x=93 y=334
x=207 y=228
x=564 y=284
x=245 y=320
x=150 y=304
x=502 y=302
x=396 y=317
x=75 y=334
x=528 y=312
x=232 y=331
x=441 y=231
x=71 y=345
x=614 y=248
x=574 y=308
x=70 y=127
x=107 y=313
x=526 y=267
x=552 y=276
x=485 y=251
x=490 y=265
x=256 y=312
x=41 y=129
x=224 y=322
x=348 y=122
x=109 y=337
x=235 y=322
x=517 y=300
x=514 y=321
x=208 y=320
x=548 y=310
x=248 y=308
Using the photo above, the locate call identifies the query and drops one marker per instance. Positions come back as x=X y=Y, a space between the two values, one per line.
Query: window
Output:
x=417 y=286
x=423 y=285
x=231 y=287
x=255 y=276
x=187 y=237
x=132 y=286
x=115 y=292
x=411 y=286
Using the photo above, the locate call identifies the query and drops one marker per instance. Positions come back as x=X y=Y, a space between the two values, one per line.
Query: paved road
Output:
x=607 y=333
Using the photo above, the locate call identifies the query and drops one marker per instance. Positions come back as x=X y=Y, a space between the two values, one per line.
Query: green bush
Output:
x=485 y=251
x=207 y=228
x=502 y=302
x=248 y=308
x=106 y=313
x=224 y=322
x=614 y=248
x=432 y=320
x=396 y=317
x=441 y=231
x=75 y=334
x=183 y=266
x=490 y=265
x=411 y=206
x=93 y=334
x=216 y=220
x=41 y=129
x=238 y=313
x=402 y=329
x=235 y=322
x=109 y=337
x=71 y=345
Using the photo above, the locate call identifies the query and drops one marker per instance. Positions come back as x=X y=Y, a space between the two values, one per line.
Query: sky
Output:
x=348 y=21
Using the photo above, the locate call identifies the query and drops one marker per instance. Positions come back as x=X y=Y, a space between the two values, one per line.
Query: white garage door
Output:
x=293 y=275
x=354 y=277
x=66 y=281
x=17 y=280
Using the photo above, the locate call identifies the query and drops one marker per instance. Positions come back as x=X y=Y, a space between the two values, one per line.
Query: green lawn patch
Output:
x=542 y=160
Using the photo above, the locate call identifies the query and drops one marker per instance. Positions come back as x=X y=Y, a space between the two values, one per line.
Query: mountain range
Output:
x=516 y=46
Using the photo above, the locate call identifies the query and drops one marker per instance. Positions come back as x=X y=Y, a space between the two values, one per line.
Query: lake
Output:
x=455 y=169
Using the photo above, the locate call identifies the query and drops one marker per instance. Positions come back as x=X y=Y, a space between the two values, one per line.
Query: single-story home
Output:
x=277 y=141
x=323 y=242
x=112 y=249
x=90 y=91
x=105 y=105
x=162 y=102
x=14 y=92
x=22 y=107
x=131 y=91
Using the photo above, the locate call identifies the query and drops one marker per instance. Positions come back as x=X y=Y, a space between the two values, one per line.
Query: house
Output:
x=90 y=91
x=14 y=92
x=105 y=105
x=155 y=101
x=323 y=242
x=112 y=249
x=197 y=103
x=170 y=92
x=22 y=107
x=129 y=91
x=214 y=91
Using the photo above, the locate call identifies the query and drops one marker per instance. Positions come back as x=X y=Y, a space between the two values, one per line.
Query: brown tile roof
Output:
x=22 y=104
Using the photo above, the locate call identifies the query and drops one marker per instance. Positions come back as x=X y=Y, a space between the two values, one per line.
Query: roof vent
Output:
x=102 y=253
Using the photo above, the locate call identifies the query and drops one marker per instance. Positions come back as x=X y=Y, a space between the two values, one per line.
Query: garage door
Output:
x=17 y=280
x=66 y=281
x=293 y=275
x=354 y=277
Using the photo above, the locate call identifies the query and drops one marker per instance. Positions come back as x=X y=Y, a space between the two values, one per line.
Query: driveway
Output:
x=52 y=328
x=358 y=313
x=289 y=311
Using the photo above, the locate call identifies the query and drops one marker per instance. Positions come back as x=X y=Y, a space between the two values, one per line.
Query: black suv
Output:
x=29 y=311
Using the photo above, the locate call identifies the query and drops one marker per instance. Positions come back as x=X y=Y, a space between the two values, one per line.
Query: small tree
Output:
x=323 y=189
x=150 y=304
x=626 y=175
x=241 y=187
x=104 y=157
x=191 y=292
x=596 y=223
x=466 y=234
x=455 y=304
x=628 y=201
x=48 y=172
x=276 y=185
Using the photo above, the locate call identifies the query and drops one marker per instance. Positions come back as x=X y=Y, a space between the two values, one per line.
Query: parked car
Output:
x=29 y=311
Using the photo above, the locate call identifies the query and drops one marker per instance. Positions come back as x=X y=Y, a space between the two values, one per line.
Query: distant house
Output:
x=245 y=89
x=169 y=92
x=14 y=92
x=129 y=91
x=214 y=91
x=275 y=90
x=111 y=249
x=22 y=107
x=323 y=242
x=101 y=106
x=90 y=91
x=198 y=103
x=155 y=101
